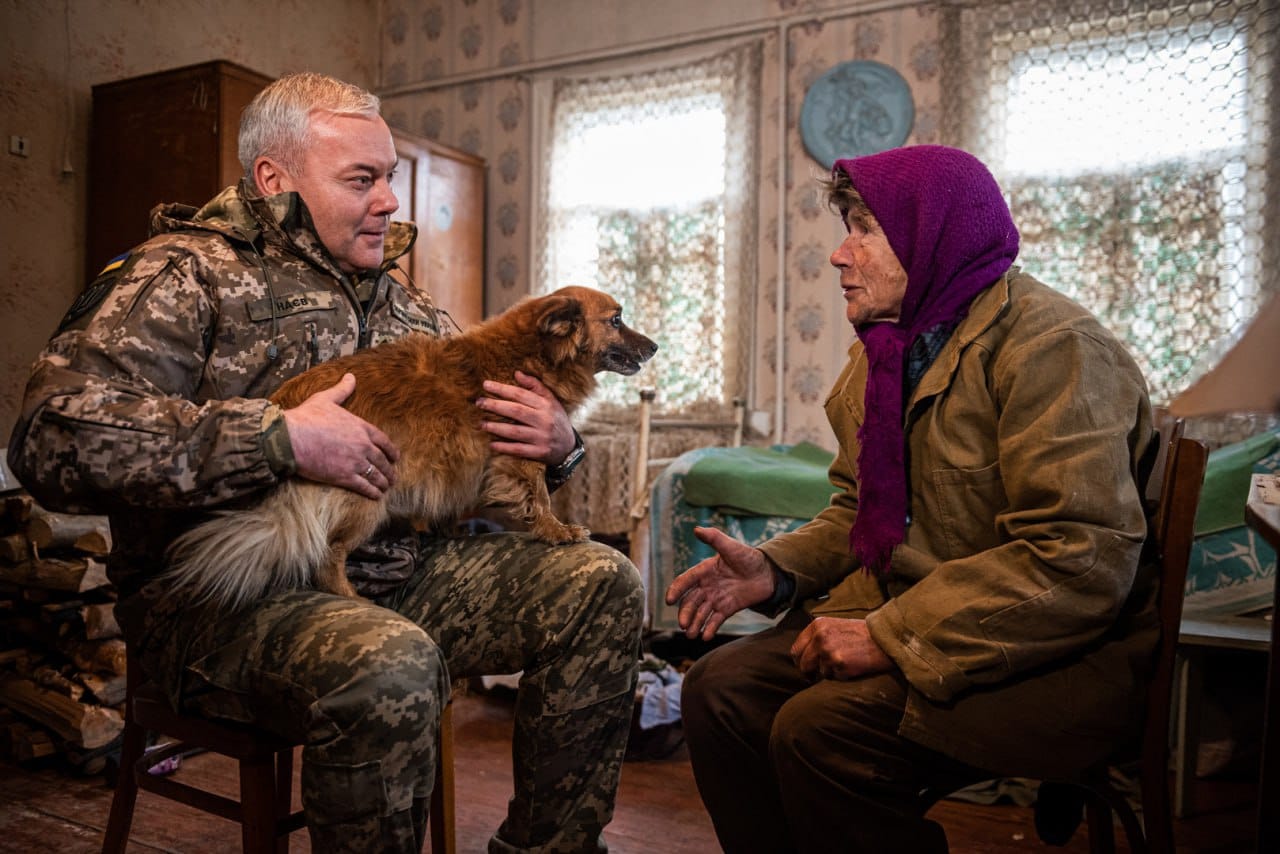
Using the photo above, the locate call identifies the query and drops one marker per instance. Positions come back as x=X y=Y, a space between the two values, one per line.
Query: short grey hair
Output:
x=277 y=122
x=845 y=200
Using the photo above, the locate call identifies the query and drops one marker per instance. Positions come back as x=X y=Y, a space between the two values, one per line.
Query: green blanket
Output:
x=1226 y=482
x=749 y=481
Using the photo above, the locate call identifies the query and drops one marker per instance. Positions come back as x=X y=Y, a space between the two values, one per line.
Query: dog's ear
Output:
x=560 y=327
x=561 y=317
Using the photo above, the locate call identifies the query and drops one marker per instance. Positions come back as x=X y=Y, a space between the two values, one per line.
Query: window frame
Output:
x=982 y=50
x=739 y=256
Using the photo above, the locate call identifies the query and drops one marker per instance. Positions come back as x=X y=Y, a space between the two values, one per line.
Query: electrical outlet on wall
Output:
x=18 y=145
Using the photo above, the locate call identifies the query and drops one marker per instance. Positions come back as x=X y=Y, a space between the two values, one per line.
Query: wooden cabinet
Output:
x=442 y=190
x=172 y=137
x=164 y=137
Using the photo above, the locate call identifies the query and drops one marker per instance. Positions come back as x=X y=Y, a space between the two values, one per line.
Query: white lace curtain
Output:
x=1135 y=141
x=649 y=193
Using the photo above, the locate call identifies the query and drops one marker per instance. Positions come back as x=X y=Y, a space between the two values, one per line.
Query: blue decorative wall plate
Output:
x=856 y=108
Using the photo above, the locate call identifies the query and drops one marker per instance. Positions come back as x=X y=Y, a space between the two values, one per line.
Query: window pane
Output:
x=646 y=197
x=1134 y=140
x=1095 y=106
x=638 y=159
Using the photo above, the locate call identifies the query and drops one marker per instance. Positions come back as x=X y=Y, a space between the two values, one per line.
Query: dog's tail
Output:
x=238 y=556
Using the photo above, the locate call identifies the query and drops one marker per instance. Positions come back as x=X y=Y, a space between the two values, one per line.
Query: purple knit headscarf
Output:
x=949 y=226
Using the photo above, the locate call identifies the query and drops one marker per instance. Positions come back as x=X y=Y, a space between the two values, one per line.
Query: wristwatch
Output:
x=557 y=475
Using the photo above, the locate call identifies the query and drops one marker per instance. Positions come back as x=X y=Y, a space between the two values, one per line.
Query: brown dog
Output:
x=421 y=392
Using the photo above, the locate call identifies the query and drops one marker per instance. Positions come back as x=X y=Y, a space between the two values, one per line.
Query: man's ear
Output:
x=270 y=177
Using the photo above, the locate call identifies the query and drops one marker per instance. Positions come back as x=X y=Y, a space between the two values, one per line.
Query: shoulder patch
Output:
x=114 y=264
x=97 y=291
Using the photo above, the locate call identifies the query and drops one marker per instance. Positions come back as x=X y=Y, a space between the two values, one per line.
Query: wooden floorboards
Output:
x=658 y=810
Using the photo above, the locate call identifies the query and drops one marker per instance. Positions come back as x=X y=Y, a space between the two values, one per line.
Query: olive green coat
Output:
x=1015 y=607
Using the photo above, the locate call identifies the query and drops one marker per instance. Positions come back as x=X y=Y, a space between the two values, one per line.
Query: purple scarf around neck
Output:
x=947 y=222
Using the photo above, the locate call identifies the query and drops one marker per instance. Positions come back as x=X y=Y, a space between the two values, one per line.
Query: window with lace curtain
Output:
x=648 y=193
x=1132 y=140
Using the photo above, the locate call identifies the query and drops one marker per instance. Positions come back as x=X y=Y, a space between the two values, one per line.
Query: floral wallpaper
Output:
x=426 y=44
x=816 y=337
x=427 y=41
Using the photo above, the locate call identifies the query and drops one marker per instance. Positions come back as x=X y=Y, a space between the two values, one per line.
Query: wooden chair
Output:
x=645 y=465
x=1169 y=542
x=1171 y=519
x=265 y=808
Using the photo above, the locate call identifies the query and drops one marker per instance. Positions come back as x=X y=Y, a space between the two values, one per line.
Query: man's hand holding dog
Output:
x=330 y=445
x=538 y=428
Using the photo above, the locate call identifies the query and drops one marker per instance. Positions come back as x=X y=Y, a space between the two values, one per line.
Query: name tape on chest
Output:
x=420 y=322
x=290 y=304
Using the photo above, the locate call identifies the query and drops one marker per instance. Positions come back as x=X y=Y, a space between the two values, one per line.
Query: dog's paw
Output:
x=577 y=534
x=337 y=584
x=558 y=534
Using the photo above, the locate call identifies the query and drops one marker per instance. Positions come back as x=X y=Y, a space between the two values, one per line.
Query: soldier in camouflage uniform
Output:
x=149 y=404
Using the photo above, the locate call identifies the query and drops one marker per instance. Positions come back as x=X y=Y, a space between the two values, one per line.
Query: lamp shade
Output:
x=1248 y=377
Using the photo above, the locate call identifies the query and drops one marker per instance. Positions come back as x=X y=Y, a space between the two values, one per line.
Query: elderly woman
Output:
x=970 y=604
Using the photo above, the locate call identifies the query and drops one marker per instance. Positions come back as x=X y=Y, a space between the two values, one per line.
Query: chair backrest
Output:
x=644 y=460
x=1155 y=461
x=1169 y=538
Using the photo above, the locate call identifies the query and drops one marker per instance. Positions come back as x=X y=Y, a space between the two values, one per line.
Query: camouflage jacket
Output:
x=149 y=403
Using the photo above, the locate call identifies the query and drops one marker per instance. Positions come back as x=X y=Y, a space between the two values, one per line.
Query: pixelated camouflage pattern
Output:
x=359 y=685
x=149 y=405
x=567 y=617
x=155 y=398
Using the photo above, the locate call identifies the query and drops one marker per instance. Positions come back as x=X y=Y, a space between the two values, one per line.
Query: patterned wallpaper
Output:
x=427 y=43
x=816 y=337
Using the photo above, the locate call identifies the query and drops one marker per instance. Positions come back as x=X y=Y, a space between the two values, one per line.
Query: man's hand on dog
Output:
x=538 y=428
x=330 y=445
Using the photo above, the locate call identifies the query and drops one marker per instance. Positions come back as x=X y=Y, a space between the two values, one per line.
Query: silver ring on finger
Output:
x=367 y=472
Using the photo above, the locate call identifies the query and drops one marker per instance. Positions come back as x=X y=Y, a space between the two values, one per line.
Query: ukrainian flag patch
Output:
x=114 y=264
x=88 y=300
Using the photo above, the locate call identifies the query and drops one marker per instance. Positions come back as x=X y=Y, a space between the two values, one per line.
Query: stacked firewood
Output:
x=62 y=660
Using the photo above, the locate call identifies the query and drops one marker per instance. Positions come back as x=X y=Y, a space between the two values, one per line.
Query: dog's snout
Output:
x=646 y=347
x=628 y=352
x=641 y=345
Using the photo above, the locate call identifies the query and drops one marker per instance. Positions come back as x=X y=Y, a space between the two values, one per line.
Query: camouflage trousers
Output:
x=362 y=685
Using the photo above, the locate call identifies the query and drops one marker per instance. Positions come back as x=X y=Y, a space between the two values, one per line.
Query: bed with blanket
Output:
x=753 y=493
x=1233 y=570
